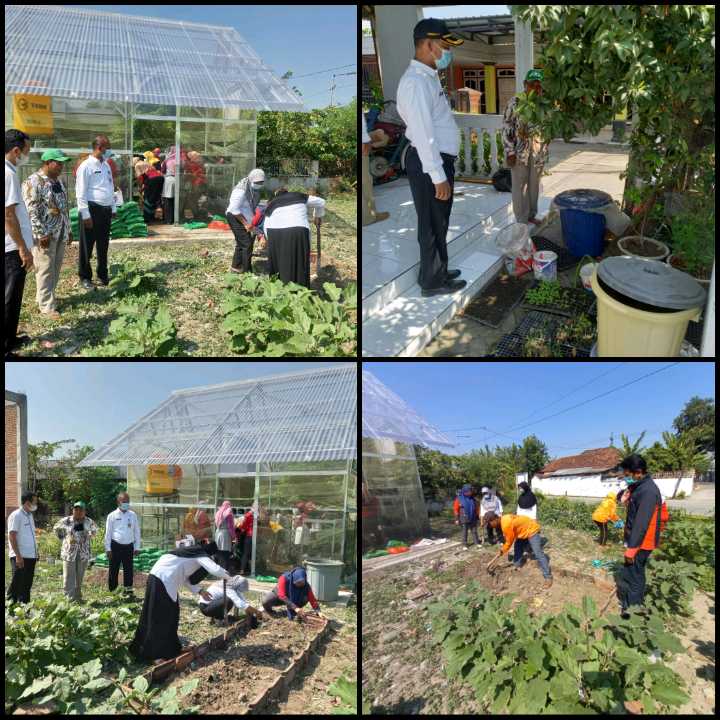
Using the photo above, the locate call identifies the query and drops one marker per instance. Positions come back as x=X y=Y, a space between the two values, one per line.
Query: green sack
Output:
x=374 y=554
x=265 y=578
x=221 y=218
x=395 y=543
x=194 y=225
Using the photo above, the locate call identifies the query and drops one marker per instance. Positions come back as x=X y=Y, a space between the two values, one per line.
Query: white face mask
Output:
x=33 y=508
x=23 y=160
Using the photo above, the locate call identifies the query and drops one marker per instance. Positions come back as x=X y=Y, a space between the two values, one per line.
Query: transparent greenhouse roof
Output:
x=304 y=417
x=75 y=53
x=385 y=415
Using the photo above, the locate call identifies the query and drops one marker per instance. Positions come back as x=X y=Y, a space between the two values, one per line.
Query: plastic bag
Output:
x=515 y=243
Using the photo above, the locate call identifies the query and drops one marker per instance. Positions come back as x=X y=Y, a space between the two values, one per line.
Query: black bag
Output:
x=502 y=180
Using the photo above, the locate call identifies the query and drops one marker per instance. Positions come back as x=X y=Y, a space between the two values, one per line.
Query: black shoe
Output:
x=450 y=286
x=452 y=274
x=253 y=622
x=19 y=341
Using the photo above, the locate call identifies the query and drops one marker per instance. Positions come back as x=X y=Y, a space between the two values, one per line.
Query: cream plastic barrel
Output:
x=624 y=331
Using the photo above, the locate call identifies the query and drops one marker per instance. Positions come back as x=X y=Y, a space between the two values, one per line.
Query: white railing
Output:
x=479 y=125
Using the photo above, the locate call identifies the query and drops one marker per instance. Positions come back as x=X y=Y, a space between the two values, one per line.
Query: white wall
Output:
x=594 y=486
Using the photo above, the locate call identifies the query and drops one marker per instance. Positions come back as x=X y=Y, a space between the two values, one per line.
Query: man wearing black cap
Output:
x=435 y=140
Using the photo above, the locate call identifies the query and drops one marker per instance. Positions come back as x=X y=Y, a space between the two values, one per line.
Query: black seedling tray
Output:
x=694 y=334
x=512 y=345
x=580 y=301
x=534 y=321
x=566 y=259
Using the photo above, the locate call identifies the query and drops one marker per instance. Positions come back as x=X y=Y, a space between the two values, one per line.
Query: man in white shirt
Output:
x=122 y=542
x=369 y=214
x=18 y=238
x=22 y=548
x=95 y=192
x=430 y=161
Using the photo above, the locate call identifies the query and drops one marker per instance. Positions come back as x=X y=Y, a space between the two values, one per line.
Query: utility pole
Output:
x=332 y=87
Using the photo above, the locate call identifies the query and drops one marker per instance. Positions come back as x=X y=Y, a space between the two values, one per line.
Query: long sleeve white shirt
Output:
x=239 y=205
x=123 y=528
x=294 y=215
x=175 y=572
x=431 y=127
x=365 y=136
x=94 y=183
x=216 y=591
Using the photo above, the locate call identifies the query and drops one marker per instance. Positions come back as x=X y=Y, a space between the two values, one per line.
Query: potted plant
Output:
x=644 y=247
x=693 y=242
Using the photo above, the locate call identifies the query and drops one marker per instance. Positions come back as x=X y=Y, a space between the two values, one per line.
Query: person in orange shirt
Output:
x=642 y=530
x=604 y=513
x=522 y=531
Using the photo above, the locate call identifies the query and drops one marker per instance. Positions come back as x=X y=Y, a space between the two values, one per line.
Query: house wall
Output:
x=597 y=486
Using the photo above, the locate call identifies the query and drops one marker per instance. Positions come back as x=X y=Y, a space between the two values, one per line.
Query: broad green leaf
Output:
x=38 y=686
x=140 y=684
x=669 y=695
x=535 y=653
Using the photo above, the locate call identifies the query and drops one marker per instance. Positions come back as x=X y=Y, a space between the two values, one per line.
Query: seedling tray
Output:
x=579 y=301
x=497 y=300
x=512 y=345
x=566 y=259
x=694 y=334
x=548 y=325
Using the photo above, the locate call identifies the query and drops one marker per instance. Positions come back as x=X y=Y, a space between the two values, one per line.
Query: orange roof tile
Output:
x=599 y=459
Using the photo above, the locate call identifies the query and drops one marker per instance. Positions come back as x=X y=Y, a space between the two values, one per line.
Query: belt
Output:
x=442 y=154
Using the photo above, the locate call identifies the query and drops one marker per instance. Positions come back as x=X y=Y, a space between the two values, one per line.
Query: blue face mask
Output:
x=445 y=60
x=107 y=154
x=629 y=479
x=124 y=506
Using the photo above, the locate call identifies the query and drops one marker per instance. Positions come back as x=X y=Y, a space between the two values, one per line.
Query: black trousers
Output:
x=632 y=580
x=214 y=608
x=22 y=580
x=433 y=219
x=98 y=237
x=168 y=206
x=494 y=535
x=246 y=555
x=14 y=286
x=472 y=526
x=243 y=244
x=120 y=554
x=603 y=532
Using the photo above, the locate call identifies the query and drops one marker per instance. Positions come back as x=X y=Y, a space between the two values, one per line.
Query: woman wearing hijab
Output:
x=240 y=211
x=156 y=635
x=288 y=234
x=224 y=532
x=490 y=502
x=293 y=591
x=233 y=594
x=527 y=502
x=605 y=511
x=465 y=508
x=151 y=183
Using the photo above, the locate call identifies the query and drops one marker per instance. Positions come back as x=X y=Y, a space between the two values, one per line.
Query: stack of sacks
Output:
x=129 y=222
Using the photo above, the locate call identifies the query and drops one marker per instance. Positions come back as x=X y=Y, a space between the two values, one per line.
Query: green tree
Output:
x=438 y=472
x=629 y=448
x=698 y=417
x=677 y=453
x=45 y=476
x=535 y=455
x=658 y=59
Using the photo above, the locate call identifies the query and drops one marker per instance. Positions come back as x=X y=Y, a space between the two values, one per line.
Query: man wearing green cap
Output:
x=525 y=154
x=75 y=531
x=47 y=204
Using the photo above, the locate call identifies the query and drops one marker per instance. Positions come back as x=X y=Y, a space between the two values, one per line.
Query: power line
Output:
x=320 y=72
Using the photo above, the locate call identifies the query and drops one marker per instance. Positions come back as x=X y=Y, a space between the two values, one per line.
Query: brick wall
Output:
x=11 y=498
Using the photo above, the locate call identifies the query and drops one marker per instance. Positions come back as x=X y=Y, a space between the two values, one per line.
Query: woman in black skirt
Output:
x=156 y=636
x=288 y=234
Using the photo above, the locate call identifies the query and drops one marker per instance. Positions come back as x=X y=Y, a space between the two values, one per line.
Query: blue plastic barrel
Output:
x=583 y=232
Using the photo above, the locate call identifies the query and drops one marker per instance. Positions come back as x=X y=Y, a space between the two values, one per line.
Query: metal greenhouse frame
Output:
x=283 y=434
x=104 y=70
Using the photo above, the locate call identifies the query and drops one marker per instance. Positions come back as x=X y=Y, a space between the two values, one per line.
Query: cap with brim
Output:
x=54 y=155
x=79 y=504
x=533 y=75
x=435 y=30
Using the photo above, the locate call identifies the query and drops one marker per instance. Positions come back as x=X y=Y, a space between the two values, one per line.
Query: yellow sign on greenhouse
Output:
x=33 y=114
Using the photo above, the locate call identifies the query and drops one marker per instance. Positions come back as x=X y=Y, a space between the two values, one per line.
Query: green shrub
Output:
x=129 y=277
x=267 y=317
x=692 y=542
x=573 y=514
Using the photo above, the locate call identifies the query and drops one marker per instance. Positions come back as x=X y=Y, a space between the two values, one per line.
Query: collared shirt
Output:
x=425 y=110
x=123 y=528
x=365 y=136
x=75 y=543
x=23 y=523
x=216 y=591
x=47 y=205
x=13 y=196
x=239 y=203
x=94 y=183
x=521 y=139
x=295 y=215
x=175 y=571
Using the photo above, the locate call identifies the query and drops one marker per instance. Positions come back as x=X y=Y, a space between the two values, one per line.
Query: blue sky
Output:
x=93 y=402
x=502 y=396
x=301 y=38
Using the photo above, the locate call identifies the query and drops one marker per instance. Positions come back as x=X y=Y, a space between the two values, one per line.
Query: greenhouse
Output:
x=71 y=74
x=283 y=446
x=393 y=506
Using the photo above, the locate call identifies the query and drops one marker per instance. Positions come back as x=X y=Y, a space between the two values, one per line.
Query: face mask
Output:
x=444 y=60
x=629 y=479
x=33 y=508
x=124 y=506
x=107 y=154
x=257 y=186
x=23 y=160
